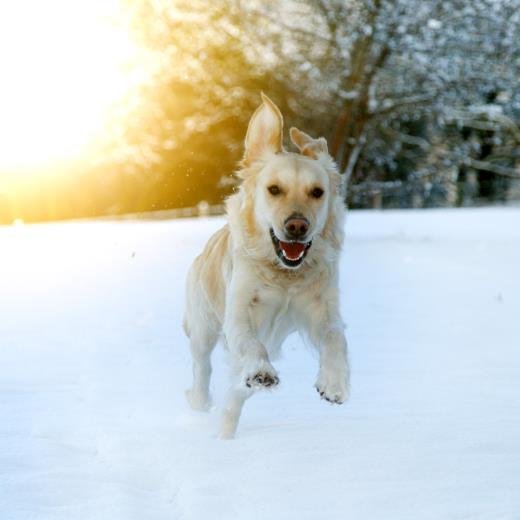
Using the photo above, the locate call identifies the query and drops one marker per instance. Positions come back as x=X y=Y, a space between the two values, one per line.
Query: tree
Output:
x=399 y=75
x=394 y=86
x=418 y=99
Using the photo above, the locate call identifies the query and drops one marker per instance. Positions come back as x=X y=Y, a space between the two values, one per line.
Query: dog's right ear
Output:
x=307 y=145
x=264 y=133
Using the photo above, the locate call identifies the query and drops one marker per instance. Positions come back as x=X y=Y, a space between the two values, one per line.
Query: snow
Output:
x=93 y=367
x=434 y=24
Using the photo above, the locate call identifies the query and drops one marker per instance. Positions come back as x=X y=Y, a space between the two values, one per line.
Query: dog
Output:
x=271 y=270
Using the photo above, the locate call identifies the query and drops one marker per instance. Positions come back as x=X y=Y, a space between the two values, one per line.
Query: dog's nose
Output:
x=296 y=227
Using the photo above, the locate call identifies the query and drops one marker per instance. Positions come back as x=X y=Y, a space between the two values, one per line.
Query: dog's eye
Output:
x=317 y=193
x=274 y=190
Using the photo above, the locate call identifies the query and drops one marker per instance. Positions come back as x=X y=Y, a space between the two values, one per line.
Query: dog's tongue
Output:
x=292 y=250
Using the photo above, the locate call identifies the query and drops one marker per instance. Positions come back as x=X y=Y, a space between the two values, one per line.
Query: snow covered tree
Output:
x=418 y=98
x=393 y=80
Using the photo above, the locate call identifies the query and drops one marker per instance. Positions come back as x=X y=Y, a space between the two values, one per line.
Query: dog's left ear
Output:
x=308 y=146
x=265 y=131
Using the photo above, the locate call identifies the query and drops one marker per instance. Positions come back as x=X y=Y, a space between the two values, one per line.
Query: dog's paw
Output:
x=264 y=376
x=262 y=379
x=332 y=387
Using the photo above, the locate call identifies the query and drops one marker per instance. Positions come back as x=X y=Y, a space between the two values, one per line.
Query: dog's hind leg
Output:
x=202 y=343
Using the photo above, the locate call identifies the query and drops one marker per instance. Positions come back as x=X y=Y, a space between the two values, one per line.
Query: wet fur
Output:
x=238 y=289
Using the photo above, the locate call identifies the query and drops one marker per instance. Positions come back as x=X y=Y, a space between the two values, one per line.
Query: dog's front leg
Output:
x=251 y=367
x=333 y=377
x=249 y=356
x=325 y=328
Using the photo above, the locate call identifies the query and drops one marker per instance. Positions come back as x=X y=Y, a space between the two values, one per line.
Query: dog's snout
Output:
x=296 y=227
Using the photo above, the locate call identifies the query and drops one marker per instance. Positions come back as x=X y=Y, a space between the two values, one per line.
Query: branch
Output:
x=493 y=168
x=375 y=186
x=484 y=120
x=407 y=138
x=292 y=29
x=404 y=102
x=352 y=161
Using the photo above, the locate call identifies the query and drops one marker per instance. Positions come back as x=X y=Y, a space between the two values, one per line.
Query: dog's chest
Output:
x=272 y=315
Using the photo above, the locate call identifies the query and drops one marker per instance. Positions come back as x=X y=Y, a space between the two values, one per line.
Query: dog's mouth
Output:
x=290 y=253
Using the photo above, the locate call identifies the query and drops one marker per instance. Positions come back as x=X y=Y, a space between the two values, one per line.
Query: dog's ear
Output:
x=308 y=146
x=265 y=131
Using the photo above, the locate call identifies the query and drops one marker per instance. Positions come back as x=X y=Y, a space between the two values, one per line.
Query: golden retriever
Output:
x=271 y=270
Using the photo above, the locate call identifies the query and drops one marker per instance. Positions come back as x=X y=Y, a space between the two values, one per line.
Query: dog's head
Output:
x=288 y=196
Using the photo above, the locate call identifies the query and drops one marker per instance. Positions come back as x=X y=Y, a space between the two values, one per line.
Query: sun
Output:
x=64 y=63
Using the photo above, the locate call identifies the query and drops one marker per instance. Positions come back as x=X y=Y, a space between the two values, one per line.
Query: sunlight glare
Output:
x=64 y=63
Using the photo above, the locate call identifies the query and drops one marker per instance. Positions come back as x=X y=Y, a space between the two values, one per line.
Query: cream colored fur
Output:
x=239 y=290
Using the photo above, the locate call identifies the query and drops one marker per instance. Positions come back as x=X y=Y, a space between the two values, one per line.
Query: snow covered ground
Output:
x=93 y=367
